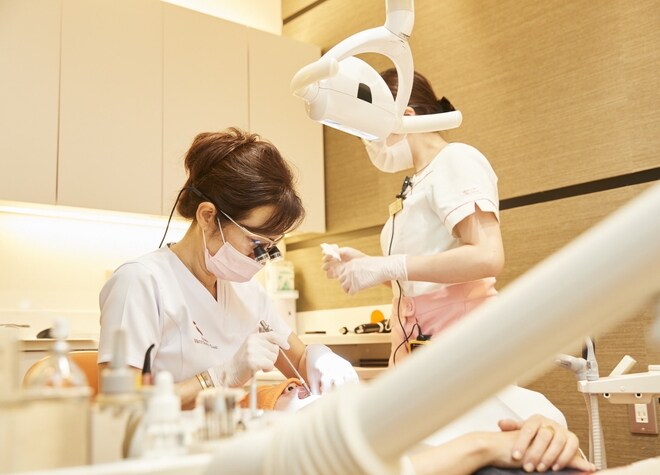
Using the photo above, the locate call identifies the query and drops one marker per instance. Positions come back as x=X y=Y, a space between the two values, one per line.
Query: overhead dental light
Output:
x=346 y=93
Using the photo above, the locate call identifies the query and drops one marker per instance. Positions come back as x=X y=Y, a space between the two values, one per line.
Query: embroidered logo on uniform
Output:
x=203 y=340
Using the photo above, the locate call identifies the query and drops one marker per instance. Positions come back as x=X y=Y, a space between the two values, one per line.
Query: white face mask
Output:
x=390 y=158
x=228 y=263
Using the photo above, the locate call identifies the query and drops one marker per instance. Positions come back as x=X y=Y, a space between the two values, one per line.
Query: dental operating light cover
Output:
x=346 y=93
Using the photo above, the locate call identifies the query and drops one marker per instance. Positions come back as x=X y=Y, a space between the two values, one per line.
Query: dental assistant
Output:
x=195 y=299
x=442 y=245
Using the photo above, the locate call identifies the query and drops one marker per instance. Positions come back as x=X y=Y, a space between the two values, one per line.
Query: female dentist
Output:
x=195 y=300
x=442 y=245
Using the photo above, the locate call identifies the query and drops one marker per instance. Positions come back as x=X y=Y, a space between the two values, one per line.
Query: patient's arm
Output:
x=470 y=452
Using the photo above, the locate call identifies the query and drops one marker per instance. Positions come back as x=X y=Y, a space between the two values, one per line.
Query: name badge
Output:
x=396 y=206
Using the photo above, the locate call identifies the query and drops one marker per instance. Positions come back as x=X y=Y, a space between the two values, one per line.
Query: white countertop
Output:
x=347 y=339
x=44 y=344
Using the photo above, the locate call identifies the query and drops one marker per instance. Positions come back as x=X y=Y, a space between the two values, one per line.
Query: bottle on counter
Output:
x=280 y=276
x=58 y=371
x=164 y=432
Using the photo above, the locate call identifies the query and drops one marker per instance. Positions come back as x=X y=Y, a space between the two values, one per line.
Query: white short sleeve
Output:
x=463 y=179
x=155 y=299
x=130 y=300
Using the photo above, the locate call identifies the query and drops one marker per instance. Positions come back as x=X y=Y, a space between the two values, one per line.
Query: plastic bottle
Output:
x=58 y=371
x=164 y=433
x=117 y=378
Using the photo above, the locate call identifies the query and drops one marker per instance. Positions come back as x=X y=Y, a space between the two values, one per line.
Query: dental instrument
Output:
x=266 y=328
x=344 y=92
x=147 y=377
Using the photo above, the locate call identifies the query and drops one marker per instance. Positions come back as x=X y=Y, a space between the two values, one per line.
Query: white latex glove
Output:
x=334 y=257
x=258 y=352
x=325 y=369
x=365 y=272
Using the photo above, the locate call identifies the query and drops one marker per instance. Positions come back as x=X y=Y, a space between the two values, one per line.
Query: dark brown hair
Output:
x=238 y=172
x=422 y=98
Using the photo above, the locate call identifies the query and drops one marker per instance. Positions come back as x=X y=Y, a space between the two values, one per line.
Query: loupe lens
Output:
x=260 y=254
x=274 y=253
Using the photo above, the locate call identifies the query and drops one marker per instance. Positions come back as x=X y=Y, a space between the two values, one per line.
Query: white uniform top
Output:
x=441 y=196
x=156 y=299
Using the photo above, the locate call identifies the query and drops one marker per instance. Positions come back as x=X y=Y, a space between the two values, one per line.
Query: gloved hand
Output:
x=365 y=272
x=334 y=257
x=258 y=352
x=326 y=369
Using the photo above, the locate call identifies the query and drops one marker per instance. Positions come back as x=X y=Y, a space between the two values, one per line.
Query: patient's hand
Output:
x=542 y=444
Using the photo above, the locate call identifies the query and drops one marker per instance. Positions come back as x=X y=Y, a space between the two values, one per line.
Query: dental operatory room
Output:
x=329 y=237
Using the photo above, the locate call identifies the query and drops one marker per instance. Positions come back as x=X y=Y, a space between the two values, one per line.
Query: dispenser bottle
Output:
x=164 y=431
x=58 y=371
x=117 y=378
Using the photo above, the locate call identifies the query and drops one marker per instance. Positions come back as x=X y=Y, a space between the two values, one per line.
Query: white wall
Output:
x=265 y=15
x=55 y=260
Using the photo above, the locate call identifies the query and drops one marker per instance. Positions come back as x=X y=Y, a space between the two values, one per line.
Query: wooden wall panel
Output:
x=530 y=234
x=554 y=93
x=318 y=292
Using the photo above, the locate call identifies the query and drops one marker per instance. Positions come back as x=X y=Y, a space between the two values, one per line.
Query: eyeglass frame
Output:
x=270 y=243
x=265 y=242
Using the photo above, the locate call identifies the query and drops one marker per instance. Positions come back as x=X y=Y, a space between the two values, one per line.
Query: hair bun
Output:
x=444 y=105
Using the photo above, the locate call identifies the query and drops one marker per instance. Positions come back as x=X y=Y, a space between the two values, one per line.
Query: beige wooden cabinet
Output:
x=102 y=98
x=110 y=154
x=205 y=86
x=29 y=79
x=280 y=117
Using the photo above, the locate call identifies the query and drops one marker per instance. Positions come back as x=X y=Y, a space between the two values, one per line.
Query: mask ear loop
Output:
x=224 y=241
x=221 y=234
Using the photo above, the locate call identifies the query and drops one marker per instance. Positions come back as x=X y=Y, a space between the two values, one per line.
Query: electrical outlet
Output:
x=643 y=419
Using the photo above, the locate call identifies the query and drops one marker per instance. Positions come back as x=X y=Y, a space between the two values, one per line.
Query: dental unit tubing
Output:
x=595 y=281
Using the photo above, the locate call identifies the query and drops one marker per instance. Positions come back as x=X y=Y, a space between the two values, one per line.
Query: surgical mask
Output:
x=228 y=263
x=390 y=158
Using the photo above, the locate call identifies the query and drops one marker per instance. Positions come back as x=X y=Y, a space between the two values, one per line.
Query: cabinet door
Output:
x=205 y=85
x=280 y=117
x=110 y=153
x=29 y=72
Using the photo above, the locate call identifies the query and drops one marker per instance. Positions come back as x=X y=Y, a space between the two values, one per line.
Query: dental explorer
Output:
x=266 y=328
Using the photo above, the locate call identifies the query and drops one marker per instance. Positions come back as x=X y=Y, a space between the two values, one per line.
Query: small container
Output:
x=164 y=432
x=58 y=371
x=280 y=276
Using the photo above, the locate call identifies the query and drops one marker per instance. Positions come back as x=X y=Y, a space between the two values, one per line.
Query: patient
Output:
x=288 y=396
x=536 y=444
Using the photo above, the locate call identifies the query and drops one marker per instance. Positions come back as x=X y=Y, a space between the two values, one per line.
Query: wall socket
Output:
x=643 y=418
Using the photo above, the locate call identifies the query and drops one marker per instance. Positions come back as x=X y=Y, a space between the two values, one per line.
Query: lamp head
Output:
x=346 y=93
